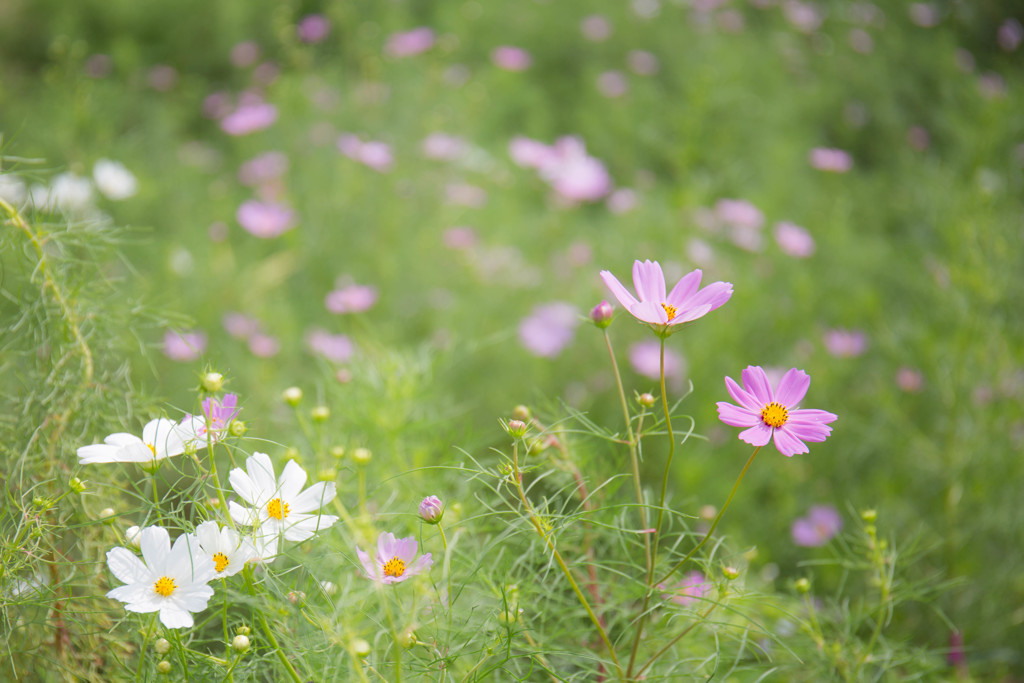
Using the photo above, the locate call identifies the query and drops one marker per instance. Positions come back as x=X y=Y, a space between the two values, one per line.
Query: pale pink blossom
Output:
x=642 y=63
x=511 y=58
x=622 y=200
x=685 y=303
x=909 y=380
x=334 y=347
x=820 y=525
x=313 y=28
x=596 y=28
x=612 y=84
x=265 y=219
x=248 y=118
x=574 y=174
x=184 y=346
x=245 y=53
x=794 y=240
x=460 y=238
x=689 y=589
x=239 y=325
x=738 y=213
x=373 y=153
x=924 y=14
x=549 y=328
x=464 y=194
x=844 y=343
x=395 y=560
x=410 y=43
x=264 y=345
x=804 y=16
x=444 y=147
x=830 y=160
x=351 y=299
x=645 y=359
x=1010 y=34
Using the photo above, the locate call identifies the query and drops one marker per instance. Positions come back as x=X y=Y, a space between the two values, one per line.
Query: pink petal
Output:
x=808 y=431
x=811 y=415
x=735 y=416
x=649 y=312
x=742 y=396
x=793 y=387
x=684 y=289
x=713 y=296
x=621 y=293
x=758 y=435
x=756 y=382
x=788 y=444
x=649 y=281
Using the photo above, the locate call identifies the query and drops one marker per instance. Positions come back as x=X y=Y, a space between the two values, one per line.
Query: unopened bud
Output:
x=212 y=382
x=327 y=474
x=329 y=587
x=730 y=572
x=292 y=396
x=107 y=513
x=320 y=413
x=407 y=638
x=869 y=515
x=802 y=585
x=162 y=646
x=296 y=597
x=362 y=456
x=646 y=399
x=133 y=535
x=431 y=510
x=240 y=643
x=42 y=502
x=601 y=315
x=337 y=452
x=238 y=428
x=163 y=667
x=360 y=647
x=516 y=428
x=242 y=630
x=521 y=412
x=76 y=485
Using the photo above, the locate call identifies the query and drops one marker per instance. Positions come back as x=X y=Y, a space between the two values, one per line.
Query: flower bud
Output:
x=360 y=647
x=163 y=667
x=407 y=638
x=337 y=452
x=802 y=585
x=730 y=572
x=601 y=315
x=76 y=485
x=237 y=428
x=240 y=643
x=107 y=513
x=646 y=399
x=516 y=428
x=212 y=382
x=42 y=502
x=292 y=396
x=296 y=597
x=869 y=515
x=329 y=587
x=431 y=510
x=162 y=646
x=132 y=536
x=521 y=412
x=362 y=456
x=326 y=474
x=242 y=630
x=320 y=413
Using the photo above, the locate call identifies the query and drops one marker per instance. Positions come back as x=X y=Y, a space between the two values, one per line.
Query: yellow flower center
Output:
x=774 y=414
x=152 y=449
x=394 y=567
x=277 y=508
x=220 y=561
x=670 y=310
x=164 y=586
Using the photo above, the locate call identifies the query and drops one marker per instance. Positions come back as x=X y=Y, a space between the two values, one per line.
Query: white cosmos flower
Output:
x=228 y=551
x=114 y=180
x=278 y=506
x=168 y=580
x=161 y=439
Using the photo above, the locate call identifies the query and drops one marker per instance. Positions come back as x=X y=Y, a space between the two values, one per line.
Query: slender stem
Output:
x=718 y=518
x=632 y=450
x=675 y=640
x=272 y=639
x=180 y=649
x=447 y=567
x=517 y=479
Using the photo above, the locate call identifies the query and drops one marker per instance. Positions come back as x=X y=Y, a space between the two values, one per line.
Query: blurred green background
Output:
x=917 y=245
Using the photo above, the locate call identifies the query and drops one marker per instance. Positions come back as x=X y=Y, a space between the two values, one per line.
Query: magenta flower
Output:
x=685 y=303
x=794 y=240
x=184 y=346
x=213 y=424
x=431 y=510
x=511 y=58
x=818 y=527
x=265 y=219
x=313 y=28
x=830 y=160
x=264 y=345
x=333 y=347
x=549 y=328
x=410 y=43
x=691 y=588
x=351 y=299
x=394 y=561
x=767 y=414
x=262 y=169
x=843 y=343
x=249 y=118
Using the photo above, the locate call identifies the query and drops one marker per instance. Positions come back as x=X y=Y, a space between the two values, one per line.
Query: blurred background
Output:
x=403 y=207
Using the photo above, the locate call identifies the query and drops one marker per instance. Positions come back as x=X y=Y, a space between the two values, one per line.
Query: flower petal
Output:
x=735 y=416
x=758 y=435
x=649 y=312
x=742 y=396
x=756 y=382
x=369 y=567
x=808 y=431
x=649 y=281
x=155 y=543
x=127 y=567
x=261 y=471
x=313 y=498
x=812 y=415
x=244 y=486
x=99 y=453
x=173 y=616
x=291 y=481
x=788 y=444
x=621 y=293
x=792 y=388
x=713 y=296
x=304 y=526
x=684 y=289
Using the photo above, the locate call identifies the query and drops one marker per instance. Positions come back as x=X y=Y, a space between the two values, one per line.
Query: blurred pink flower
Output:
x=395 y=560
x=645 y=359
x=99 y=66
x=217 y=105
x=843 y=343
x=313 y=28
x=924 y=14
x=265 y=219
x=265 y=74
x=511 y=58
x=739 y=213
x=794 y=240
x=460 y=238
x=351 y=299
x=239 y=325
x=768 y=414
x=803 y=16
x=464 y=194
x=410 y=43
x=830 y=160
x=549 y=328
x=574 y=174
x=265 y=167
x=685 y=303
x=1010 y=34
x=530 y=153
x=642 y=63
x=909 y=380
x=820 y=525
x=184 y=346
x=333 y=347
x=264 y=345
x=249 y=117
x=373 y=153
x=861 y=41
x=612 y=84
x=162 y=77
x=992 y=85
x=245 y=53
x=689 y=589
x=444 y=147
x=621 y=201
x=596 y=28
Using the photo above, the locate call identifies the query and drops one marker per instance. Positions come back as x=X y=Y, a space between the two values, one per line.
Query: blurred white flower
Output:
x=114 y=180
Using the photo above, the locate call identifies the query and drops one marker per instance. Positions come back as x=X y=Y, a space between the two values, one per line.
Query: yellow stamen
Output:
x=152 y=448
x=670 y=310
x=164 y=586
x=220 y=561
x=774 y=414
x=394 y=567
x=277 y=508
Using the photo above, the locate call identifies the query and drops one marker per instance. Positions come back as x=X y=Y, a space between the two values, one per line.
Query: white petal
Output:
x=261 y=471
x=127 y=567
x=292 y=480
x=99 y=453
x=135 y=594
x=155 y=543
x=313 y=498
x=173 y=616
x=244 y=486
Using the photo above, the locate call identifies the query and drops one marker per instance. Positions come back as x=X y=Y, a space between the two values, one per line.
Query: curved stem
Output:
x=718 y=518
x=675 y=640
x=269 y=633
x=518 y=482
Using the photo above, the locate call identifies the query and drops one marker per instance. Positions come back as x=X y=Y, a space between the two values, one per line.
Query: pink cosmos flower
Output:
x=685 y=303
x=621 y=201
x=464 y=194
x=245 y=53
x=691 y=588
x=264 y=345
x=460 y=237
x=410 y=43
x=530 y=153
x=395 y=560
x=249 y=117
x=549 y=328
x=351 y=299
x=373 y=153
x=511 y=58
x=769 y=414
x=909 y=379
x=574 y=174
x=794 y=240
x=830 y=160
x=843 y=343
x=596 y=28
x=642 y=63
x=1010 y=34
x=184 y=346
x=265 y=219
x=313 y=28
x=924 y=14
x=263 y=168
x=333 y=347
x=213 y=424
x=612 y=84
x=818 y=527
x=240 y=325
x=739 y=213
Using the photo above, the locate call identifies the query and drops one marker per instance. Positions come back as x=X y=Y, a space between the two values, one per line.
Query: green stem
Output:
x=447 y=567
x=517 y=481
x=269 y=633
x=632 y=450
x=675 y=640
x=180 y=649
x=718 y=518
